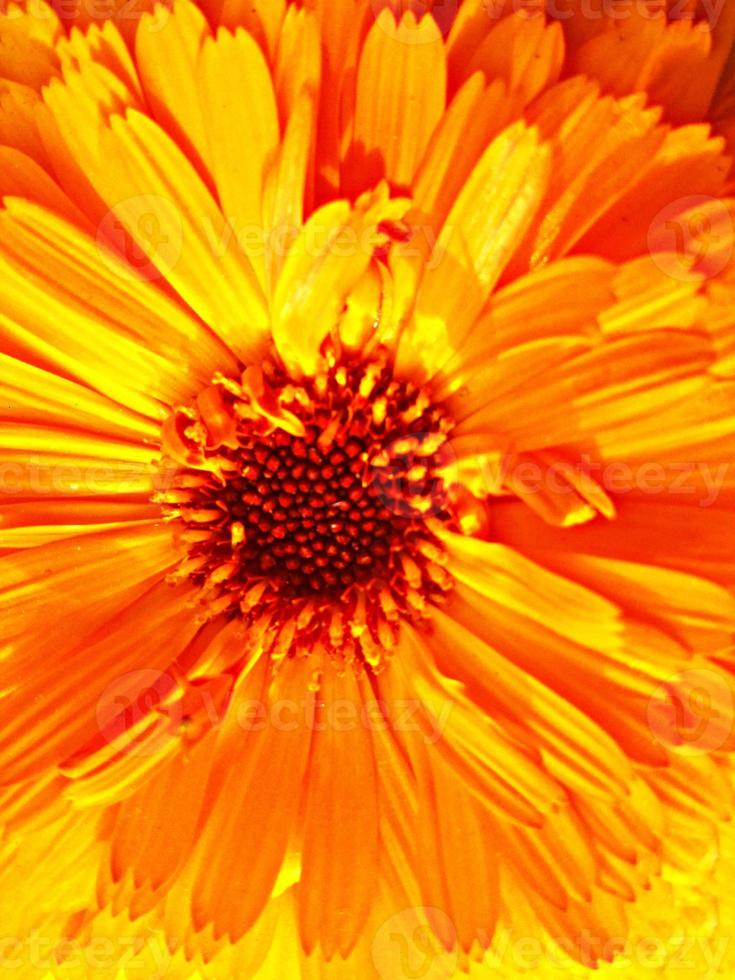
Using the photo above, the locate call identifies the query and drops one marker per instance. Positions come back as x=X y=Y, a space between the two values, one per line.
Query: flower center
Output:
x=309 y=509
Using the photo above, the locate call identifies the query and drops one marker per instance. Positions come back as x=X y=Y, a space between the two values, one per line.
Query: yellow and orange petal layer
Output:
x=367 y=425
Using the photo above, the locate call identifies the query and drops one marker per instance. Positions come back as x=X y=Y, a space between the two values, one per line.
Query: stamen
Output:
x=312 y=504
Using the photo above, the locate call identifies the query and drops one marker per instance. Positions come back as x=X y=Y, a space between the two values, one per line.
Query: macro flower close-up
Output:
x=367 y=489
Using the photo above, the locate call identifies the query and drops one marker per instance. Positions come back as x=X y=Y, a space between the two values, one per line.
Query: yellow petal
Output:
x=392 y=131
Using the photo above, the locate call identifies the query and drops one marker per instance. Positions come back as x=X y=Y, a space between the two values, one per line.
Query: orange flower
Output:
x=367 y=489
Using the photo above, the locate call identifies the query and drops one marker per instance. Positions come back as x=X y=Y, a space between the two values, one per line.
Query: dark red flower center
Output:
x=320 y=519
x=299 y=499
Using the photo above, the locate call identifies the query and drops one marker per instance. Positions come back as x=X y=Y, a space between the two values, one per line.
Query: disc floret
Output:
x=309 y=508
